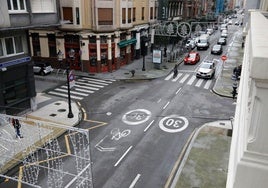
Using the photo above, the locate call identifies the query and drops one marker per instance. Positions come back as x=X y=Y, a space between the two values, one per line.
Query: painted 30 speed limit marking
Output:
x=135 y=117
x=173 y=123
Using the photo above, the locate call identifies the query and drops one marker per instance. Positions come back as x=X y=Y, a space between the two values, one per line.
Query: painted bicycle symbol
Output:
x=117 y=135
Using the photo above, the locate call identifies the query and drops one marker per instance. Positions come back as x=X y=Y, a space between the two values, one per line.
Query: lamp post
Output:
x=71 y=54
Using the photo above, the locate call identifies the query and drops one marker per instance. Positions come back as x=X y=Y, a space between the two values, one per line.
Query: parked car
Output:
x=42 y=68
x=224 y=33
x=206 y=69
x=210 y=31
x=222 y=41
x=190 y=44
x=192 y=58
x=216 y=49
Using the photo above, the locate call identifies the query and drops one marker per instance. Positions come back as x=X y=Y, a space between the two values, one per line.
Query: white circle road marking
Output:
x=135 y=117
x=173 y=123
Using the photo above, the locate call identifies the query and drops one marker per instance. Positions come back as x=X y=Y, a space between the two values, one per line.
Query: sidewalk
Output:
x=202 y=158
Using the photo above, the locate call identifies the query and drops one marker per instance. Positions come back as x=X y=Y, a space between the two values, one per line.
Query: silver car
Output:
x=206 y=70
x=42 y=68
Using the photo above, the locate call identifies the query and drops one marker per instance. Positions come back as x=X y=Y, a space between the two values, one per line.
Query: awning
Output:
x=125 y=43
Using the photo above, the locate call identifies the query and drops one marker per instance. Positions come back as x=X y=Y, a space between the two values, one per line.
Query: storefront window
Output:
x=93 y=61
x=14 y=91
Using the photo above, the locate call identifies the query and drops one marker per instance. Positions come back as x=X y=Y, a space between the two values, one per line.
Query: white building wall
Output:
x=248 y=164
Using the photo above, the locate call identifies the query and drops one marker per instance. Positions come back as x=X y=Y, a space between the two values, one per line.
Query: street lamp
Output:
x=71 y=54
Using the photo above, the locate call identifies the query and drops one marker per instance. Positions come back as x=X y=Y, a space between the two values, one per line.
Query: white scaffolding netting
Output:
x=49 y=155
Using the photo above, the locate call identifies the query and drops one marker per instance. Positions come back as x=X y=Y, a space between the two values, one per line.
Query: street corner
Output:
x=57 y=112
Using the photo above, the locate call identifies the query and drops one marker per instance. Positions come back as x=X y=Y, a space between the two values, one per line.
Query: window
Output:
x=14 y=91
x=129 y=15
x=105 y=16
x=77 y=16
x=142 y=13
x=52 y=45
x=43 y=6
x=36 y=44
x=151 y=13
x=68 y=14
x=155 y=12
x=11 y=46
x=123 y=15
x=134 y=14
x=16 y=5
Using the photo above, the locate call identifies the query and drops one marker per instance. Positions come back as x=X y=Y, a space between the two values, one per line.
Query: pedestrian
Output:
x=132 y=73
x=16 y=124
x=175 y=71
x=234 y=92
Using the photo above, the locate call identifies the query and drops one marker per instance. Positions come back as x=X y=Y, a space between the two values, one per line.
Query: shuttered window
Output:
x=43 y=6
x=105 y=16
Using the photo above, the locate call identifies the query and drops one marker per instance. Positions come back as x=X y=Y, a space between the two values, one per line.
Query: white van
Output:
x=224 y=27
x=203 y=42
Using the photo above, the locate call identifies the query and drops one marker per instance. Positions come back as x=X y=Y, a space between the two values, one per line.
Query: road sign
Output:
x=224 y=57
x=173 y=123
x=71 y=79
x=135 y=117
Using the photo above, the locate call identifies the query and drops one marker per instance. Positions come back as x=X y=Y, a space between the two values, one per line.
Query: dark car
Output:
x=192 y=58
x=42 y=68
x=216 y=49
x=222 y=41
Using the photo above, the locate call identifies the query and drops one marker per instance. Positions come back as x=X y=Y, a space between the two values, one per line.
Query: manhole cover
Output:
x=126 y=73
x=53 y=115
x=57 y=103
x=61 y=110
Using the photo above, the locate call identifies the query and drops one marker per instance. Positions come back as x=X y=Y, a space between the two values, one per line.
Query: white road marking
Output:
x=93 y=82
x=159 y=101
x=72 y=92
x=135 y=181
x=178 y=91
x=184 y=78
x=86 y=87
x=199 y=82
x=208 y=84
x=87 y=84
x=169 y=76
x=177 y=77
x=84 y=90
x=121 y=158
x=64 y=95
x=191 y=80
x=148 y=126
x=105 y=81
x=166 y=105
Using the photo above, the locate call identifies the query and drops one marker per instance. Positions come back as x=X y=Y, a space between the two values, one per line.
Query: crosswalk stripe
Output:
x=199 y=82
x=93 y=82
x=177 y=77
x=184 y=78
x=87 y=87
x=169 y=76
x=191 y=80
x=84 y=90
x=207 y=84
x=72 y=92
x=87 y=84
x=65 y=95
x=105 y=81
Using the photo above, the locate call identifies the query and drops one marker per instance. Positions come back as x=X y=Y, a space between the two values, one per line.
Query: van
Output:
x=203 y=42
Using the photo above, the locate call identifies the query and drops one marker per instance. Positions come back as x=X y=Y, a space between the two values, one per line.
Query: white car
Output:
x=42 y=68
x=210 y=31
x=190 y=44
x=206 y=70
x=224 y=33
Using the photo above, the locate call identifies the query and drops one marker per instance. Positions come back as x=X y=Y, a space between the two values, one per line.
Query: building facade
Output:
x=105 y=35
x=17 y=87
x=248 y=162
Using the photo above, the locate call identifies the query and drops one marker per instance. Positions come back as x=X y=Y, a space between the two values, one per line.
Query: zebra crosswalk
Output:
x=190 y=79
x=84 y=86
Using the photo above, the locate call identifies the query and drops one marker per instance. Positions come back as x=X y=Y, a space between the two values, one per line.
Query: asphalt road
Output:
x=148 y=124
